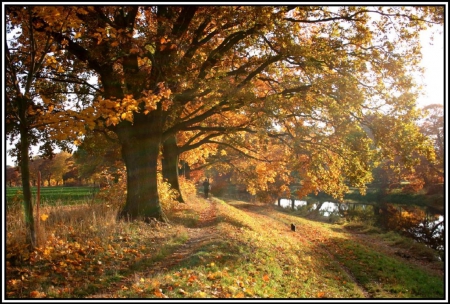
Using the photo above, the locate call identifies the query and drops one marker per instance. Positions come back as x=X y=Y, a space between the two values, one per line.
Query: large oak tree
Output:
x=309 y=73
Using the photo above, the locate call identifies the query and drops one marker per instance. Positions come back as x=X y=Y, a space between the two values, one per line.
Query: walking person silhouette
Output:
x=206 y=187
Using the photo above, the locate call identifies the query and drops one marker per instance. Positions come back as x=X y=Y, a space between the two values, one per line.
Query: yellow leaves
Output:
x=44 y=217
x=211 y=276
x=127 y=116
x=116 y=110
x=200 y=294
x=166 y=103
x=240 y=295
x=163 y=91
x=51 y=60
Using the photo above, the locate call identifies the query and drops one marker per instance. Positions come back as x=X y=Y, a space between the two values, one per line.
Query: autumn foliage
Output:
x=312 y=89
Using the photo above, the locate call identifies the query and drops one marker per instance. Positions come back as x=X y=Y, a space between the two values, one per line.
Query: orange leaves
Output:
x=266 y=278
x=64 y=43
x=82 y=11
x=117 y=110
x=37 y=294
x=134 y=50
x=192 y=278
x=75 y=263
x=159 y=293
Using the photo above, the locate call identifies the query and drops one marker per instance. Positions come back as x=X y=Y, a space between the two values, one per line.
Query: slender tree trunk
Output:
x=25 y=170
x=186 y=170
x=170 y=164
x=140 y=149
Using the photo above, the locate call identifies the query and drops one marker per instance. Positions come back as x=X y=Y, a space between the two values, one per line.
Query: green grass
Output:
x=53 y=195
x=384 y=276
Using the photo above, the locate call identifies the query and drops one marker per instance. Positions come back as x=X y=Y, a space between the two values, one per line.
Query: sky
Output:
x=433 y=61
x=435 y=70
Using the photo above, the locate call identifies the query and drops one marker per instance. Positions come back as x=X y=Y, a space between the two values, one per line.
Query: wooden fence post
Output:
x=38 y=200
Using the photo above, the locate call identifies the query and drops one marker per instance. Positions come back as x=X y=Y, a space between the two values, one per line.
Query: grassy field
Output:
x=53 y=195
x=214 y=249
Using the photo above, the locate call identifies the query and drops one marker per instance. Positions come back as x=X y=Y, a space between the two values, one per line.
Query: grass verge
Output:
x=252 y=254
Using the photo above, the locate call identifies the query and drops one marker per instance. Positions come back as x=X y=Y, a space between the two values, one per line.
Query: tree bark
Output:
x=170 y=165
x=186 y=170
x=25 y=170
x=140 y=149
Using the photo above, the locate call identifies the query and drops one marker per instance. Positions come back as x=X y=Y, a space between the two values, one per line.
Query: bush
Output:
x=167 y=195
x=188 y=188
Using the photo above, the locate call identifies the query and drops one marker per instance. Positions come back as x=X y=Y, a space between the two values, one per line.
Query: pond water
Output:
x=330 y=208
x=325 y=208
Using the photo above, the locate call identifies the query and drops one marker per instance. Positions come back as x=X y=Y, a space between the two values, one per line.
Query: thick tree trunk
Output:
x=170 y=165
x=140 y=149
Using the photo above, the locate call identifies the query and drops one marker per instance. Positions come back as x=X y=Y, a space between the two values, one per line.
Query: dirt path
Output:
x=205 y=231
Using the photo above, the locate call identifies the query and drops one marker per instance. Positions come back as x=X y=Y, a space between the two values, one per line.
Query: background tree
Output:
x=31 y=119
x=98 y=152
x=25 y=51
x=433 y=127
x=54 y=168
x=46 y=171
x=308 y=72
x=12 y=176
x=35 y=163
x=71 y=176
